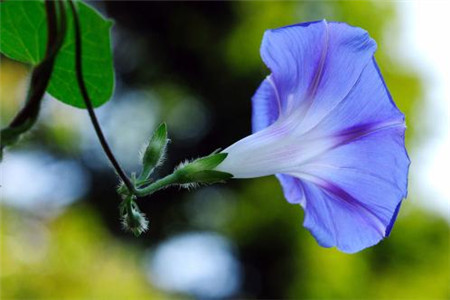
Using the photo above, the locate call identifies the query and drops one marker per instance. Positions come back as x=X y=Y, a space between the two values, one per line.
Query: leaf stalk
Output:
x=79 y=73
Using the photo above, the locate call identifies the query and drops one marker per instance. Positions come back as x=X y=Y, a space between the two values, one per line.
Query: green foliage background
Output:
x=85 y=255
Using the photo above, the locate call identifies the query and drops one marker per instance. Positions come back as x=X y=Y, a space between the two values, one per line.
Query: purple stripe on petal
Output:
x=348 y=51
x=304 y=24
x=318 y=73
x=366 y=180
x=370 y=217
x=293 y=54
x=334 y=222
x=361 y=130
x=367 y=102
x=356 y=131
x=394 y=217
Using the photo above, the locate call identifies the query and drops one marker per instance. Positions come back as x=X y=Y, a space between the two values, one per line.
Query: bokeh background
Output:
x=196 y=65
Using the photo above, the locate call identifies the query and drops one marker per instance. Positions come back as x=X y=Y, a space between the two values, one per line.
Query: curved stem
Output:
x=40 y=77
x=89 y=106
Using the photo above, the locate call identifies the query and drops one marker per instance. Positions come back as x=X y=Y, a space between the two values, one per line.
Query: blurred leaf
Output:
x=70 y=257
x=13 y=81
x=242 y=45
x=23 y=36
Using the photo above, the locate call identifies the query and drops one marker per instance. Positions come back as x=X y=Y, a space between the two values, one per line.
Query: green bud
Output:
x=133 y=219
x=154 y=153
x=201 y=171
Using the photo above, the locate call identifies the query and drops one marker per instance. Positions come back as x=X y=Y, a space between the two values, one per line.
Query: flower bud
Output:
x=133 y=219
x=154 y=153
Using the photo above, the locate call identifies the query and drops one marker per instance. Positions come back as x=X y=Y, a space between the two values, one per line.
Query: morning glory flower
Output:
x=325 y=124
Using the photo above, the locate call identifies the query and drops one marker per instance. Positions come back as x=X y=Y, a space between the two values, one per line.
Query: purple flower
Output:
x=326 y=125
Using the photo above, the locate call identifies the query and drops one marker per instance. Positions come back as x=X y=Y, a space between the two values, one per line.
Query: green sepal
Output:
x=204 y=163
x=155 y=151
x=205 y=177
x=201 y=170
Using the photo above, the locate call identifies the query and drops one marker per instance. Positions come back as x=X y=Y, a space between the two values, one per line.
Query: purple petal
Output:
x=343 y=96
x=265 y=106
x=293 y=54
x=292 y=189
x=366 y=177
x=394 y=218
x=325 y=120
x=315 y=65
x=368 y=102
x=336 y=219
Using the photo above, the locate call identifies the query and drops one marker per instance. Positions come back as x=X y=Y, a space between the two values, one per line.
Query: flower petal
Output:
x=292 y=189
x=315 y=65
x=368 y=102
x=363 y=182
x=274 y=149
x=368 y=159
x=265 y=105
x=293 y=53
x=335 y=219
x=325 y=124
